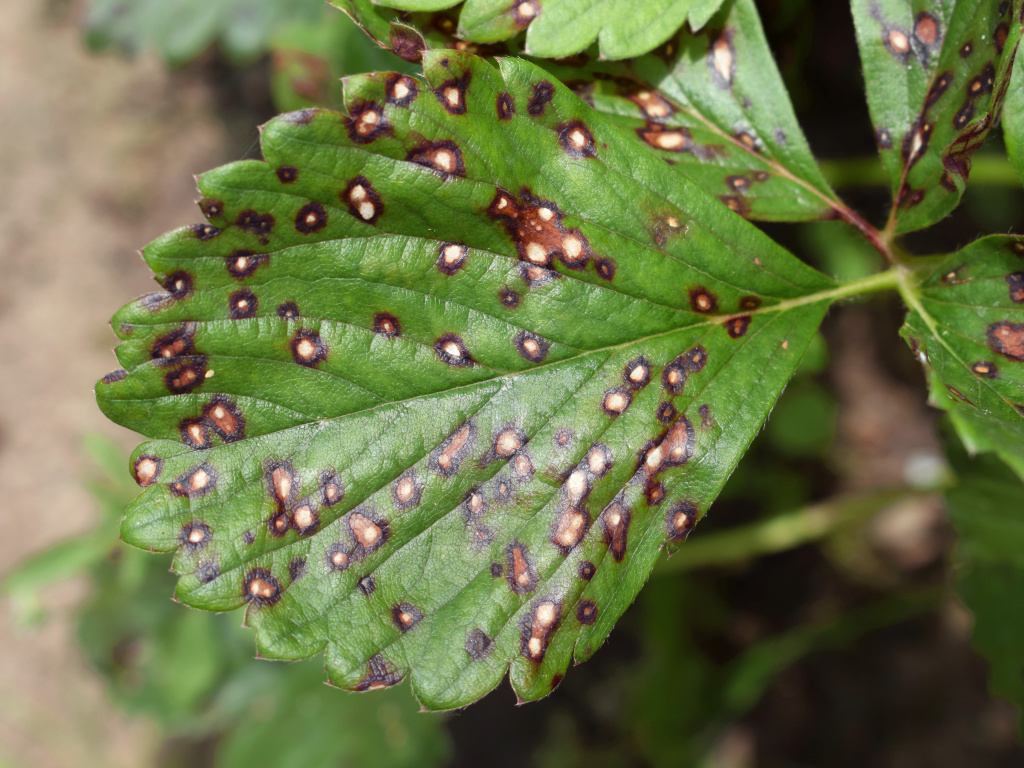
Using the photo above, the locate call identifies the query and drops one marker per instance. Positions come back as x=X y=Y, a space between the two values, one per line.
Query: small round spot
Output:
x=680 y=520
x=261 y=588
x=738 y=183
x=531 y=346
x=401 y=90
x=255 y=223
x=451 y=349
x=586 y=570
x=444 y=157
x=243 y=263
x=195 y=535
x=205 y=232
x=897 y=41
x=616 y=401
x=368 y=531
x=605 y=268
x=366 y=122
x=289 y=310
x=386 y=325
x=305 y=519
x=211 y=207
x=985 y=369
x=311 y=218
x=599 y=460
x=524 y=11
x=737 y=326
x=288 y=174
x=509 y=298
x=242 y=304
x=406 y=616
x=226 y=419
x=308 y=348
x=967 y=49
x=474 y=505
x=338 y=557
x=363 y=201
x=452 y=94
x=563 y=437
x=278 y=524
x=188 y=377
x=665 y=412
x=147 y=469
x=451 y=257
x=505 y=106
x=196 y=482
x=702 y=300
x=367 y=585
x=407 y=490
x=654 y=493
x=195 y=433
x=332 y=490
x=926 y=29
x=586 y=612
x=637 y=373
x=508 y=442
x=576 y=139
x=1007 y=339
x=543 y=92
x=522 y=467
x=673 y=377
x=178 y=284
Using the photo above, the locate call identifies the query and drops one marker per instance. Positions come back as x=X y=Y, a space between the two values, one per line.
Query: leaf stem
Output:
x=791 y=529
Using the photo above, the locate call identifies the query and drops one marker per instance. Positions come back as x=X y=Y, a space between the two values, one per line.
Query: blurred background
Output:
x=794 y=629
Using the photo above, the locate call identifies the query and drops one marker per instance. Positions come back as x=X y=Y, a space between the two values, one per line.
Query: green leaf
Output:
x=180 y=29
x=986 y=511
x=1013 y=120
x=441 y=378
x=966 y=326
x=936 y=75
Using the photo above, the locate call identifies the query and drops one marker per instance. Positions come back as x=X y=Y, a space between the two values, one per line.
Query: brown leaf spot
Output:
x=282 y=482
x=543 y=92
x=569 y=528
x=531 y=346
x=287 y=174
x=737 y=326
x=1007 y=339
x=332 y=490
x=586 y=570
x=967 y=49
x=406 y=43
x=452 y=94
x=225 y=418
x=983 y=83
x=312 y=217
x=196 y=482
x=702 y=300
x=963 y=115
x=308 y=348
x=722 y=60
x=444 y=157
x=1016 y=282
x=379 y=673
x=448 y=457
x=305 y=519
x=451 y=349
x=599 y=460
x=147 y=469
x=524 y=11
x=637 y=373
x=478 y=644
x=605 y=268
x=883 y=138
x=406 y=616
x=205 y=232
x=115 y=376
x=665 y=412
x=537 y=627
x=179 y=284
x=505 y=106
x=654 y=106
x=368 y=530
x=261 y=588
x=255 y=223
x=576 y=139
x=367 y=585
x=401 y=90
x=522 y=575
x=509 y=298
x=654 y=492
x=337 y=557
x=385 y=324
x=927 y=30
x=188 y=377
x=288 y=310
x=615 y=524
x=242 y=304
x=297 y=568
x=243 y=263
x=616 y=400
x=363 y=201
x=195 y=535
x=586 y=612
x=939 y=87
x=668 y=140
x=1002 y=31
x=680 y=520
x=174 y=344
x=985 y=369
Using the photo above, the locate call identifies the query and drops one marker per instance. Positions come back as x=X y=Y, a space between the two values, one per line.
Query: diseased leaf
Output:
x=966 y=325
x=441 y=378
x=986 y=510
x=936 y=75
x=712 y=105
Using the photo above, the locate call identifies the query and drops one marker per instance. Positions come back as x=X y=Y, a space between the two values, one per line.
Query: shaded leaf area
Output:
x=441 y=378
x=936 y=76
x=966 y=326
x=180 y=29
x=985 y=509
x=559 y=28
x=713 y=105
x=1013 y=120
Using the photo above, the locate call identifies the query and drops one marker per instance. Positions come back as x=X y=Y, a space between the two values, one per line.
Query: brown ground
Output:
x=96 y=158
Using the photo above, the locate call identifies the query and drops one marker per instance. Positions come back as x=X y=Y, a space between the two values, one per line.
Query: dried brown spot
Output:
x=524 y=11
x=363 y=201
x=915 y=143
x=536 y=229
x=288 y=310
x=305 y=519
x=586 y=612
x=205 y=232
x=448 y=457
x=367 y=585
x=308 y=348
x=1002 y=31
x=452 y=93
x=616 y=400
x=665 y=412
x=1016 y=246
x=312 y=217
x=332 y=490
x=508 y=442
x=338 y=557
x=586 y=570
x=474 y=505
x=739 y=183
x=297 y=568
x=737 y=326
x=366 y=122
x=605 y=268
x=445 y=157
x=1007 y=339
x=174 y=344
x=680 y=520
x=451 y=349
x=369 y=531
x=188 y=377
x=288 y=174
x=522 y=467
x=637 y=373
x=927 y=30
x=401 y=90
x=576 y=139
x=897 y=41
x=1016 y=282
x=654 y=492
x=537 y=627
x=505 y=106
x=673 y=450
x=939 y=87
x=226 y=419
x=983 y=83
x=722 y=60
x=147 y=469
x=242 y=304
x=598 y=460
x=451 y=257
x=379 y=673
x=478 y=644
x=179 y=284
x=261 y=588
x=531 y=346
x=259 y=224
x=508 y=297
x=522 y=575
x=543 y=92
x=702 y=300
x=667 y=139
x=569 y=528
x=386 y=325
x=195 y=535
x=282 y=482
x=615 y=524
x=883 y=138
x=963 y=115
x=243 y=263
x=654 y=106
x=406 y=616
x=986 y=369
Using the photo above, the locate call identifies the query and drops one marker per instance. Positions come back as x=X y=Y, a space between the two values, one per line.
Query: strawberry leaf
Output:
x=966 y=326
x=440 y=378
x=936 y=76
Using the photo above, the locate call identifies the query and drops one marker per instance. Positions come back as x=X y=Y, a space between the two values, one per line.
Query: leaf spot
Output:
x=522 y=574
x=452 y=94
x=287 y=174
x=308 y=348
x=1016 y=283
x=665 y=412
x=401 y=90
x=448 y=457
x=406 y=616
x=451 y=349
x=586 y=570
x=242 y=304
x=243 y=263
x=197 y=482
x=722 y=60
x=312 y=217
x=369 y=532
x=147 y=469
x=386 y=325
x=478 y=644
x=570 y=527
x=338 y=557
x=576 y=139
x=637 y=373
x=407 y=490
x=380 y=674
x=363 y=201
x=586 y=612
x=451 y=257
x=288 y=310
x=261 y=588
x=680 y=520
x=737 y=326
x=615 y=523
x=524 y=12
x=531 y=346
x=702 y=300
x=366 y=123
x=505 y=106
x=508 y=297
x=195 y=433
x=537 y=627
x=543 y=92
x=985 y=369
x=178 y=284
x=174 y=344
x=616 y=401
x=444 y=157
x=1007 y=339
x=195 y=535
